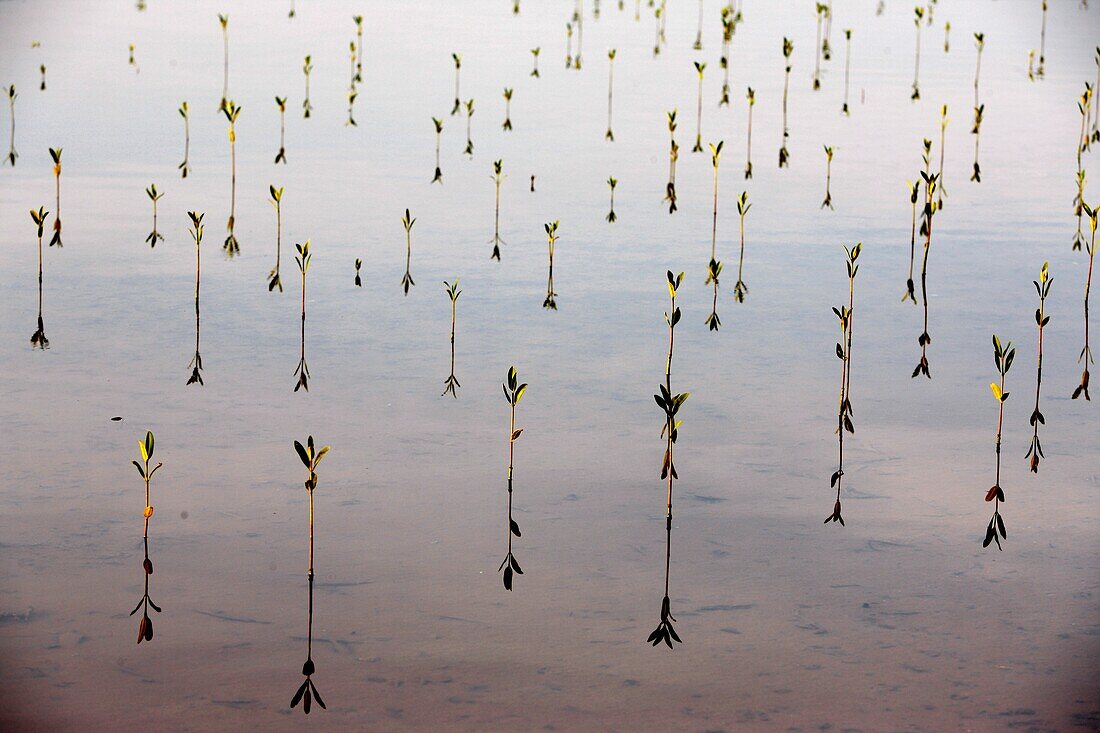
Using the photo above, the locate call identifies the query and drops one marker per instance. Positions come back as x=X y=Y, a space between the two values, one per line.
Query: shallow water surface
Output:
x=898 y=621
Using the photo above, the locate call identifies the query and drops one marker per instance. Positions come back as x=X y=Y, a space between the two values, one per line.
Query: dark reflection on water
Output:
x=196 y=234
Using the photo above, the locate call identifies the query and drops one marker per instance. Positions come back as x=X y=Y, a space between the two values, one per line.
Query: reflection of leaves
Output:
x=307 y=692
x=665 y=631
x=509 y=565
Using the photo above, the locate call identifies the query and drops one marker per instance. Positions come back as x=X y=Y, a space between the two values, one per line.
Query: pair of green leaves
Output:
x=513 y=391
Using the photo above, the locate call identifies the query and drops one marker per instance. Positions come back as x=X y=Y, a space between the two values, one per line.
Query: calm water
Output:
x=898 y=621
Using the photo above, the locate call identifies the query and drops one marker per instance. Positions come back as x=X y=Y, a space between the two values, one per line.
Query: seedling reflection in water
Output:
x=458 y=68
x=280 y=157
x=42 y=84
x=145 y=628
x=438 y=123
x=1086 y=352
x=699 y=69
x=822 y=9
x=551 y=240
x=302 y=372
x=910 y=287
x=353 y=93
x=788 y=48
x=12 y=155
x=609 y=135
x=698 y=45
x=535 y=61
x=918 y=16
x=358 y=78
x=930 y=207
x=469 y=116
x=307 y=68
x=828 y=202
x=196 y=235
x=232 y=111
x=740 y=290
x=406 y=280
x=847 y=67
x=513 y=392
x=568 y=45
x=358 y=279
x=751 y=97
x=844 y=352
x=451 y=384
x=307 y=693
x=714 y=267
x=185 y=166
x=979 y=109
x=670 y=404
x=1042 y=289
x=38 y=338
x=507 y=126
x=943 y=139
x=498 y=178
x=611 y=183
x=673 y=156
x=276 y=200
x=55 y=154
x=1041 y=70
x=154 y=196
x=1082 y=141
x=1002 y=357
x=224 y=21
x=730 y=19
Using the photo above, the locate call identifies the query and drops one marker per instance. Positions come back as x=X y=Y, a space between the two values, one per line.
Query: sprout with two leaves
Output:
x=740 y=289
x=714 y=267
x=1042 y=289
x=513 y=392
x=844 y=352
x=280 y=157
x=828 y=202
x=55 y=155
x=612 y=182
x=185 y=166
x=550 y=302
x=311 y=456
x=457 y=58
x=302 y=371
x=700 y=67
x=1002 y=357
x=498 y=178
x=196 y=234
x=438 y=124
x=232 y=111
x=145 y=628
x=38 y=338
x=276 y=200
x=407 y=221
x=154 y=196
x=451 y=384
x=469 y=116
x=670 y=404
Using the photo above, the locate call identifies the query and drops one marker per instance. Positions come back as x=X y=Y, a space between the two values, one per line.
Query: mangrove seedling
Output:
x=700 y=67
x=822 y=9
x=788 y=48
x=276 y=200
x=55 y=155
x=551 y=240
x=307 y=693
x=740 y=290
x=578 y=20
x=154 y=196
x=145 y=628
x=1002 y=357
x=133 y=61
x=185 y=166
x=498 y=178
x=507 y=126
x=38 y=338
x=611 y=183
x=826 y=49
x=307 y=68
x=280 y=157
x=513 y=392
x=698 y=45
x=673 y=156
x=931 y=183
x=943 y=139
x=910 y=287
x=353 y=94
x=568 y=45
x=1086 y=352
x=1096 y=107
x=828 y=202
x=1079 y=199
x=42 y=85
x=610 y=136
x=302 y=372
x=224 y=21
x=714 y=267
x=535 y=61
x=844 y=352
x=232 y=111
x=729 y=26
x=1042 y=289
x=458 y=68
x=751 y=97
x=196 y=234
x=438 y=123
x=979 y=108
x=407 y=221
x=358 y=279
x=918 y=16
x=12 y=155
x=670 y=404
x=469 y=116
x=947 y=37
x=358 y=78
x=847 y=66
x=450 y=384
x=1040 y=71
